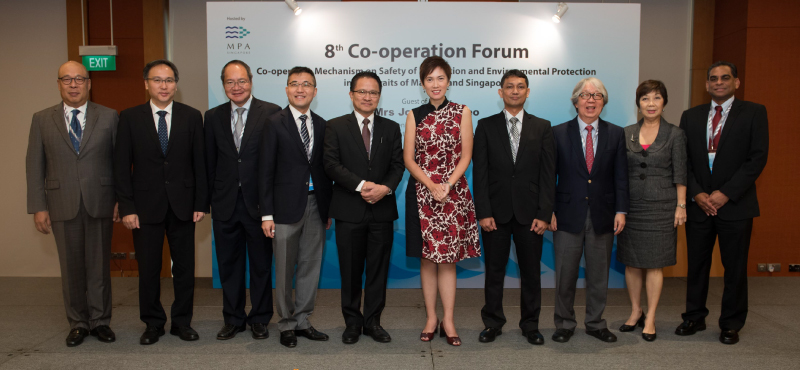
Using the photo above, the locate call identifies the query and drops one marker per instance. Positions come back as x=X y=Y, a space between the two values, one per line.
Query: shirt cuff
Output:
x=266 y=218
x=358 y=188
x=622 y=213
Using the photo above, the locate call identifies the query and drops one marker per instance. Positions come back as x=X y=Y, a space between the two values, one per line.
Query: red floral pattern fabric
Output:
x=449 y=228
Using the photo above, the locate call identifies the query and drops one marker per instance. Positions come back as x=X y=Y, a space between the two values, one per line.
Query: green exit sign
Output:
x=100 y=62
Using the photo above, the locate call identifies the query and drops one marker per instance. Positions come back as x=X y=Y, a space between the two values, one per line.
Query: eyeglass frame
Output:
x=158 y=80
x=66 y=81
x=232 y=83
x=372 y=93
x=596 y=96
x=304 y=85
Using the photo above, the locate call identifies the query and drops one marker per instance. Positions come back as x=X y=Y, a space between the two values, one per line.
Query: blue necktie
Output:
x=304 y=134
x=163 y=135
x=76 y=131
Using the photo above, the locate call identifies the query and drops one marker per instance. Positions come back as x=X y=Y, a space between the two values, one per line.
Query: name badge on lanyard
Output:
x=712 y=151
x=310 y=183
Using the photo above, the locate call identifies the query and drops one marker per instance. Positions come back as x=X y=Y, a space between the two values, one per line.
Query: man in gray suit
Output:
x=71 y=193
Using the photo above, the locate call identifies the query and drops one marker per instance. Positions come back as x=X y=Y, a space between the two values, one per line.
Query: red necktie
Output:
x=589 y=148
x=713 y=141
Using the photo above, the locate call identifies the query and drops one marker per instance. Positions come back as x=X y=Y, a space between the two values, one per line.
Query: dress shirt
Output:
x=725 y=105
x=235 y=115
x=519 y=116
x=370 y=126
x=81 y=115
x=582 y=127
x=167 y=117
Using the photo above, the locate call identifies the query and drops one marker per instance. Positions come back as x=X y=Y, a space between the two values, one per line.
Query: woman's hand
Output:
x=438 y=192
x=680 y=217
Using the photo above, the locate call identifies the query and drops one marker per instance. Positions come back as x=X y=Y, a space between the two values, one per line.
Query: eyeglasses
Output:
x=80 y=80
x=596 y=96
x=304 y=85
x=232 y=83
x=158 y=81
x=725 y=78
x=372 y=94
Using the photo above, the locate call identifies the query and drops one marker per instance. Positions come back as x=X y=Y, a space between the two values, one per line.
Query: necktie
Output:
x=75 y=125
x=238 y=127
x=365 y=134
x=713 y=141
x=163 y=135
x=304 y=135
x=589 y=148
x=514 y=138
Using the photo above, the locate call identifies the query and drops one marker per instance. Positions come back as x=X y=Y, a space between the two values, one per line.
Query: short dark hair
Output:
x=158 y=62
x=297 y=70
x=239 y=62
x=431 y=63
x=513 y=73
x=721 y=63
x=366 y=74
x=650 y=86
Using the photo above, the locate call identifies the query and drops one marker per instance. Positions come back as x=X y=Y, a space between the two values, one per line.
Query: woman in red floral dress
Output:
x=440 y=214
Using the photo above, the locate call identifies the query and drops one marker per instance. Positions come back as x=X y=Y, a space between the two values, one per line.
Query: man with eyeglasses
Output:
x=233 y=134
x=364 y=158
x=69 y=169
x=295 y=195
x=161 y=187
x=591 y=203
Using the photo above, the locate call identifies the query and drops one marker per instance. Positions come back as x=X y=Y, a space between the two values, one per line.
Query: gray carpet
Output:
x=33 y=329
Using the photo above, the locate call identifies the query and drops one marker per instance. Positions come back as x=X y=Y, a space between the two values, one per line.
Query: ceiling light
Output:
x=293 y=5
x=562 y=8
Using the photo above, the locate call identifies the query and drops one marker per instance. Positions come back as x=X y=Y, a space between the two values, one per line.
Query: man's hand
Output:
x=115 y=217
x=487 y=224
x=539 y=226
x=328 y=226
x=269 y=228
x=553 y=224
x=717 y=199
x=703 y=201
x=131 y=221
x=619 y=223
x=375 y=194
x=198 y=216
x=41 y=220
x=368 y=185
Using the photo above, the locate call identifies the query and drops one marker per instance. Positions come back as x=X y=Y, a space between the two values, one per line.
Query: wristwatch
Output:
x=682 y=205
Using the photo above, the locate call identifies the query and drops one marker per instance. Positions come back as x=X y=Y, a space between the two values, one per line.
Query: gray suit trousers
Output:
x=298 y=245
x=568 y=249
x=84 y=251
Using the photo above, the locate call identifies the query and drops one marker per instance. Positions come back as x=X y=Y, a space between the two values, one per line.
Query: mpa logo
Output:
x=233 y=32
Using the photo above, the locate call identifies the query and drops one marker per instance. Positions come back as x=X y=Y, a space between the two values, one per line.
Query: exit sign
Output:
x=100 y=62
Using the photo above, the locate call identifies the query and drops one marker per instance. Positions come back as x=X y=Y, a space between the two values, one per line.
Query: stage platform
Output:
x=33 y=328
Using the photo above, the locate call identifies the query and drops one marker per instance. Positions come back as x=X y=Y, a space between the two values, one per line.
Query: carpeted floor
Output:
x=33 y=327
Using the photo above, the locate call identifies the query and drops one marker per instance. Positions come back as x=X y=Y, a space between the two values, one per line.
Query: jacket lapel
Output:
x=319 y=135
x=150 y=125
x=291 y=127
x=378 y=127
x=252 y=117
x=174 y=124
x=224 y=118
x=502 y=134
x=699 y=123
x=91 y=122
x=575 y=140
x=602 y=141
x=736 y=108
x=352 y=127
x=527 y=127
x=61 y=124
x=661 y=136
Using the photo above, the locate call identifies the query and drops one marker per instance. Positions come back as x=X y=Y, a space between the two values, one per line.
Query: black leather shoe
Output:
x=562 y=335
x=729 y=337
x=351 y=334
x=259 y=330
x=489 y=334
x=184 y=332
x=229 y=331
x=288 y=338
x=151 y=334
x=103 y=334
x=534 y=337
x=311 y=333
x=378 y=334
x=649 y=337
x=689 y=327
x=639 y=323
x=76 y=336
x=603 y=334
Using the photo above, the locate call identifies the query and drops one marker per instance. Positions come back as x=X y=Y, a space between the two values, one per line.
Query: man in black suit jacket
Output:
x=295 y=194
x=364 y=157
x=233 y=134
x=591 y=202
x=727 y=145
x=514 y=171
x=159 y=170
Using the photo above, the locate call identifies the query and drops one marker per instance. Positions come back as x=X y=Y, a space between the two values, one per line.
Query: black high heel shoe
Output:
x=640 y=323
x=649 y=337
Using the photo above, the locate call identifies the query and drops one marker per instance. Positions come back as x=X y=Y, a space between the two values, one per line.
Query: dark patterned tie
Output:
x=514 y=138
x=163 y=135
x=589 y=148
x=365 y=134
x=75 y=125
x=304 y=135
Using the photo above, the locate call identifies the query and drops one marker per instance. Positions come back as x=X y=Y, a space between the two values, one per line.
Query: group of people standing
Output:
x=273 y=179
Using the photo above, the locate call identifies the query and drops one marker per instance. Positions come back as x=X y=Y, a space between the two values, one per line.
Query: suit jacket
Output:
x=653 y=173
x=604 y=191
x=524 y=189
x=284 y=169
x=228 y=169
x=347 y=164
x=149 y=181
x=740 y=158
x=58 y=177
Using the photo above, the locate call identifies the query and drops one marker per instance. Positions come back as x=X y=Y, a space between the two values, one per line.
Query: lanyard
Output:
x=723 y=119
x=69 y=123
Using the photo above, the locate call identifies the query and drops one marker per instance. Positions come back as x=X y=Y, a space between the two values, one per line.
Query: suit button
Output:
x=240 y=161
x=644 y=165
x=306 y=183
x=587 y=198
x=644 y=153
x=370 y=169
x=166 y=182
x=165 y=162
x=590 y=181
x=642 y=176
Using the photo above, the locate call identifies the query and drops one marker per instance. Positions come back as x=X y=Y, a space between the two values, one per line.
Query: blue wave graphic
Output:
x=231 y=27
x=231 y=37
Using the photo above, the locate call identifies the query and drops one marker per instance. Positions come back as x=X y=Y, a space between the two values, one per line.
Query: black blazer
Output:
x=503 y=188
x=347 y=164
x=147 y=180
x=604 y=191
x=741 y=156
x=284 y=169
x=226 y=168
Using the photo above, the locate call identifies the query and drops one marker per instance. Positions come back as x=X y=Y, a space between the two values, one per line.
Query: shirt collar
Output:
x=82 y=108
x=296 y=113
x=155 y=109
x=246 y=105
x=724 y=104
x=360 y=118
x=582 y=125
x=518 y=115
x=444 y=104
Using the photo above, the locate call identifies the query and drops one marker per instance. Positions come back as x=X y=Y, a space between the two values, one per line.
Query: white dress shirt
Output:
x=721 y=124
x=519 y=116
x=81 y=116
x=235 y=115
x=582 y=127
x=167 y=117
